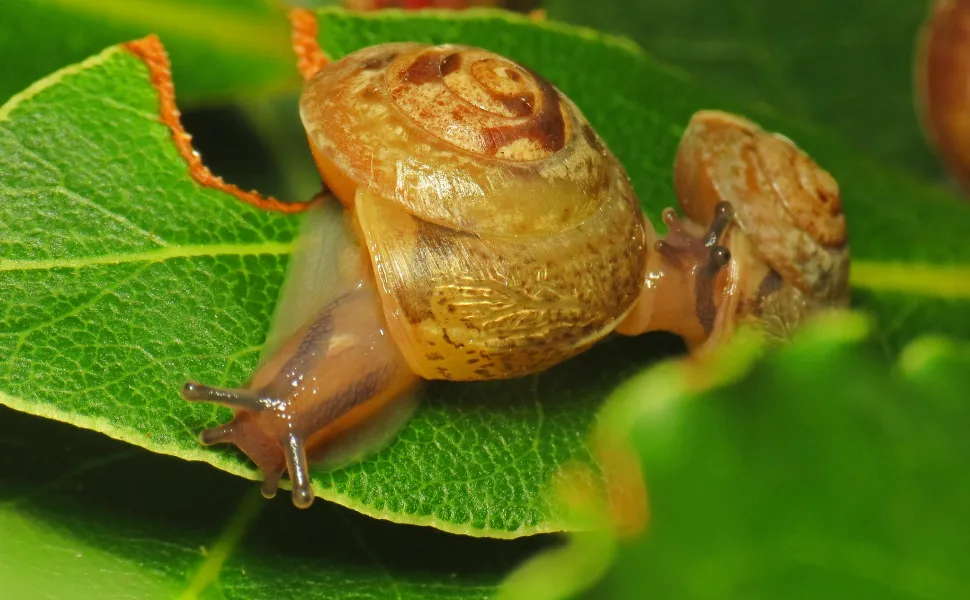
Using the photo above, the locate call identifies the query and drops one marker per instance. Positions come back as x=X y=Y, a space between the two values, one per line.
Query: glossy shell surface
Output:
x=504 y=234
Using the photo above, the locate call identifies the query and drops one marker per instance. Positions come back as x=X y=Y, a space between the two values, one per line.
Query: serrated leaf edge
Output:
x=150 y=51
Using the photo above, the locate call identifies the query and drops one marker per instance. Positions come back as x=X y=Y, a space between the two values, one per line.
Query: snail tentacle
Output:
x=326 y=379
x=234 y=398
x=702 y=255
x=271 y=482
x=296 y=465
x=217 y=435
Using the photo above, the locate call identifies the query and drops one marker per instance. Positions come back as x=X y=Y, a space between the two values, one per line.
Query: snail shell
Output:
x=505 y=237
x=943 y=84
x=790 y=247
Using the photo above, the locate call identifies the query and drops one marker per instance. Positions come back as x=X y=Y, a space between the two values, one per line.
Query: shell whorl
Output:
x=788 y=206
x=480 y=102
x=460 y=136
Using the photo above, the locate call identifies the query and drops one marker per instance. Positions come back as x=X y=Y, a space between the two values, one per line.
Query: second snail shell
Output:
x=504 y=235
x=790 y=247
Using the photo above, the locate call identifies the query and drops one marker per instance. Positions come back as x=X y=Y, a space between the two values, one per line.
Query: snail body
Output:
x=484 y=231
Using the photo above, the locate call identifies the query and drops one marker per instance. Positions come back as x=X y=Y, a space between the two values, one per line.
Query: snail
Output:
x=477 y=227
x=943 y=84
x=790 y=246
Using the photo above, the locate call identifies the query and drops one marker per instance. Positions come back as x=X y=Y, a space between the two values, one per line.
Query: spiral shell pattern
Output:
x=460 y=136
x=789 y=207
x=482 y=103
x=504 y=235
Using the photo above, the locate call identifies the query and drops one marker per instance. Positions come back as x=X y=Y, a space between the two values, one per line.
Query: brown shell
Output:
x=943 y=84
x=505 y=236
x=793 y=255
x=459 y=136
x=789 y=206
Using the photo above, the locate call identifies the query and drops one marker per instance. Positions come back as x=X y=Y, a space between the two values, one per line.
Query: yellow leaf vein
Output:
x=151 y=256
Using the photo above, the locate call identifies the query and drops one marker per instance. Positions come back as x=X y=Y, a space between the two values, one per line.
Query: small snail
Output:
x=943 y=84
x=485 y=231
x=790 y=247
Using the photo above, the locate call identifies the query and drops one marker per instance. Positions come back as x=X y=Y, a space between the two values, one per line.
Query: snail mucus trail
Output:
x=478 y=228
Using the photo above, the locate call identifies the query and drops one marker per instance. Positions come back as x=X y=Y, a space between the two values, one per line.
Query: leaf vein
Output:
x=208 y=572
x=151 y=256
x=114 y=216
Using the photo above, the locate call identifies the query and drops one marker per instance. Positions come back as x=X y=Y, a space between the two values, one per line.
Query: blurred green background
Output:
x=842 y=67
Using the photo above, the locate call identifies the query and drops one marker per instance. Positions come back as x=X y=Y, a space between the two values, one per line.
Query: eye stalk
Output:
x=702 y=256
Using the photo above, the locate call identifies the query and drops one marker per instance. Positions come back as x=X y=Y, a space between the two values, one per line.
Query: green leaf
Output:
x=219 y=48
x=124 y=278
x=810 y=472
x=87 y=517
x=845 y=66
x=850 y=490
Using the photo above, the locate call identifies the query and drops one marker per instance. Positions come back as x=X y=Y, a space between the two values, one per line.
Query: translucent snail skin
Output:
x=477 y=228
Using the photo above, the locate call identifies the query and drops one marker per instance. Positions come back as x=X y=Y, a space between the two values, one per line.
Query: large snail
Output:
x=484 y=231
